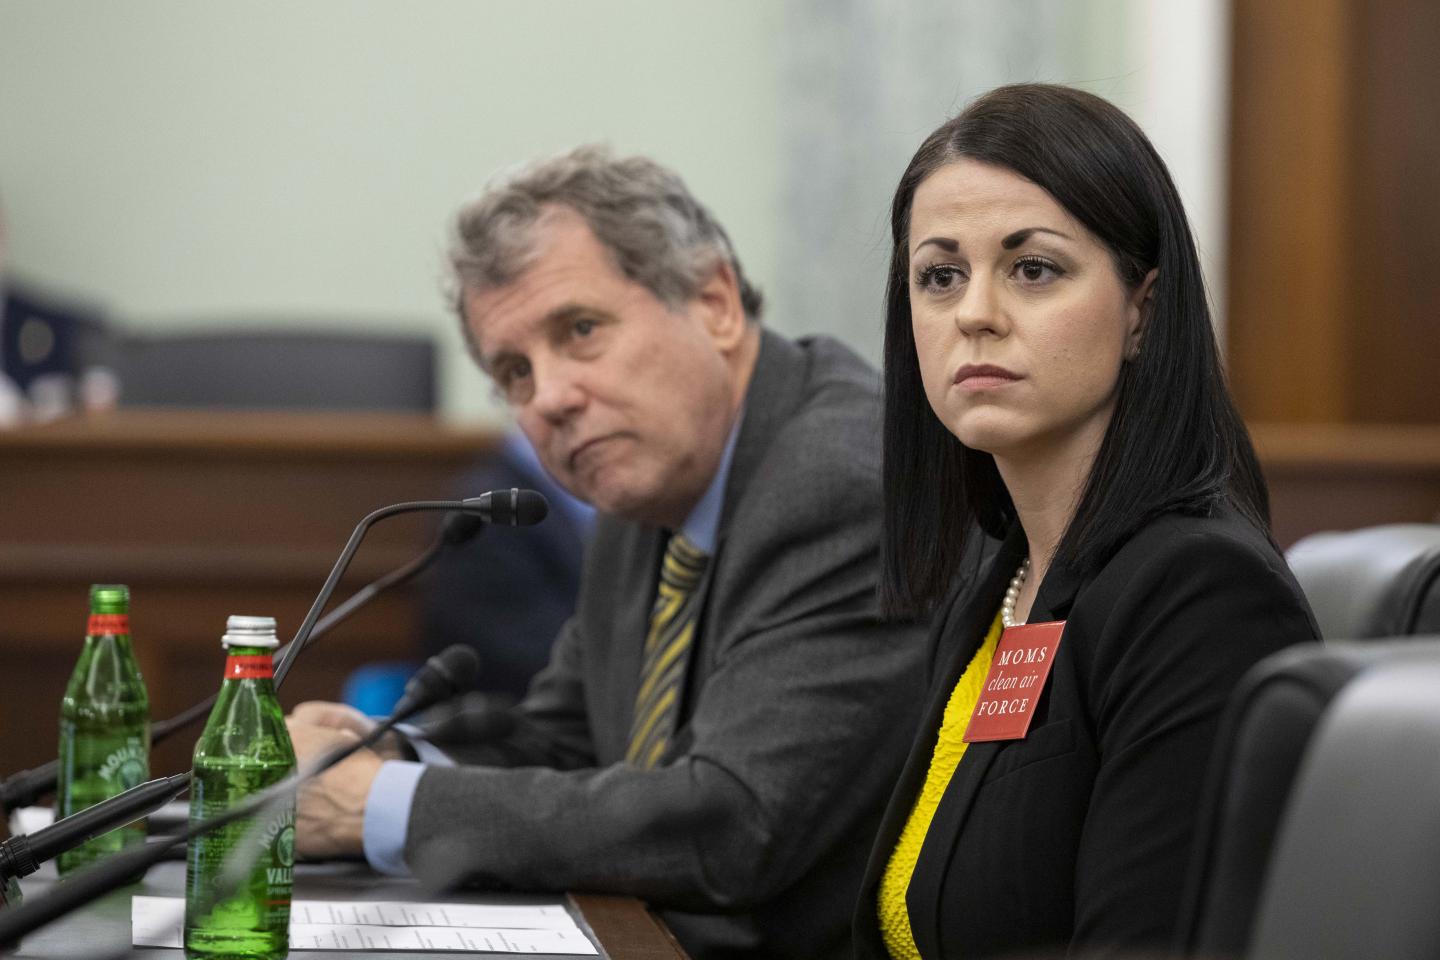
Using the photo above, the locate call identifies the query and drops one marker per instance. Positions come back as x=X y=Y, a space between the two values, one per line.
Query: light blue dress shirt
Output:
x=387 y=807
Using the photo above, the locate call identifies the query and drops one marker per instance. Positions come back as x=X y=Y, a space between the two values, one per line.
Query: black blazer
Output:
x=1079 y=834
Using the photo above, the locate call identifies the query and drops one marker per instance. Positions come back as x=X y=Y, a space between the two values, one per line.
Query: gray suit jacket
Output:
x=752 y=834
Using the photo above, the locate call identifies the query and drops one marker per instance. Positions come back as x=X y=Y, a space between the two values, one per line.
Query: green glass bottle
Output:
x=104 y=725
x=244 y=749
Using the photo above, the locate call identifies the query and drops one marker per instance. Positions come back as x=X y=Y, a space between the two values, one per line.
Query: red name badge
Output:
x=1018 y=672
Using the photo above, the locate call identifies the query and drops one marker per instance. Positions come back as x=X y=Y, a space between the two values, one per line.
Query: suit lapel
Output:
x=1055 y=596
x=926 y=885
x=777 y=387
x=699 y=665
x=632 y=622
x=1052 y=602
x=955 y=638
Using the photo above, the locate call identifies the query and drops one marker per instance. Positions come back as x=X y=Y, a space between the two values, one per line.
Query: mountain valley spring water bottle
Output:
x=244 y=749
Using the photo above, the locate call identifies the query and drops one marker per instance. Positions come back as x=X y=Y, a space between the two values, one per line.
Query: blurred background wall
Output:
x=866 y=81
x=184 y=165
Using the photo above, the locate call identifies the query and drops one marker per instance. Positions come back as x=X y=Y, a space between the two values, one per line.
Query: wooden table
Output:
x=621 y=927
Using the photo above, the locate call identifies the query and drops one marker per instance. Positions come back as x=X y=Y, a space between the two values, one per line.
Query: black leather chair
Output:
x=256 y=369
x=1271 y=728
x=1356 y=870
x=1375 y=582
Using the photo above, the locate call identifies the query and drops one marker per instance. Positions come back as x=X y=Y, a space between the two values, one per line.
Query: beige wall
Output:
x=187 y=163
x=195 y=163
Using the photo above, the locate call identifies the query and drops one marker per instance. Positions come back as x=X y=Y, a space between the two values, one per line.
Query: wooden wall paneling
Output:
x=1395 y=329
x=1334 y=269
x=1289 y=230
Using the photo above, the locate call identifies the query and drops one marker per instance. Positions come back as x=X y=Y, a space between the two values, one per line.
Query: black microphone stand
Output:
x=302 y=636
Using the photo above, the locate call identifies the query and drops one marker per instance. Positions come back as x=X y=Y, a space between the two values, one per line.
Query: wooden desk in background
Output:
x=1345 y=476
x=204 y=514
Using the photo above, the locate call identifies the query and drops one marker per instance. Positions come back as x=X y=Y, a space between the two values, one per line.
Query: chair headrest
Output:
x=1267 y=726
x=1355 y=873
x=1376 y=582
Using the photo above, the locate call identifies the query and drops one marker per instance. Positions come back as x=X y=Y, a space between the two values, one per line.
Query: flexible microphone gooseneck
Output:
x=513 y=507
x=442 y=676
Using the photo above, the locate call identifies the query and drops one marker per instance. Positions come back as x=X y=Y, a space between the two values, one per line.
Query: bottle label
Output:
x=126 y=767
x=279 y=839
x=108 y=625
x=93 y=768
x=250 y=666
x=260 y=907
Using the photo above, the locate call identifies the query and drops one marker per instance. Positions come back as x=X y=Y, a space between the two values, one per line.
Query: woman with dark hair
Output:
x=1060 y=451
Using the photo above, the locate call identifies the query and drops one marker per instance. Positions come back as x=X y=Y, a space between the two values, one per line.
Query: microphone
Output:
x=474 y=718
x=515 y=507
x=510 y=508
x=441 y=677
x=22 y=855
x=460 y=528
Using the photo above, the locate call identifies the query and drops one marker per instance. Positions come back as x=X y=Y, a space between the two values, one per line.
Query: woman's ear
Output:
x=1142 y=300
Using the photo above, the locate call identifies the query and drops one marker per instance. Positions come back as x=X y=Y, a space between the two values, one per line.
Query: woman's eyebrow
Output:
x=1020 y=236
x=944 y=243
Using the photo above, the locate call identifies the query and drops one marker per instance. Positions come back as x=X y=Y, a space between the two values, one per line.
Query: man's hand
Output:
x=338 y=716
x=330 y=808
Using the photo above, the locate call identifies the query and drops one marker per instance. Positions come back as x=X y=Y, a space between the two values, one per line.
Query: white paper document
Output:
x=392 y=925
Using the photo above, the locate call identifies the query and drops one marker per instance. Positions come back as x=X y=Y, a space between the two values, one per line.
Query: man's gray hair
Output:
x=658 y=234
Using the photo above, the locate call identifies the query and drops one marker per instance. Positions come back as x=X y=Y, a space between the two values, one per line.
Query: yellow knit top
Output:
x=949 y=748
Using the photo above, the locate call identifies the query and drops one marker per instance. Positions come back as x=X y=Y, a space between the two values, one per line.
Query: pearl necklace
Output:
x=1012 y=594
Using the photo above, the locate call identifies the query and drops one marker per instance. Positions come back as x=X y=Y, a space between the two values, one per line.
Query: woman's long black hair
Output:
x=1176 y=441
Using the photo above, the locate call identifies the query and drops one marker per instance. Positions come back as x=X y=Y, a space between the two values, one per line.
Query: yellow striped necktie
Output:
x=667 y=651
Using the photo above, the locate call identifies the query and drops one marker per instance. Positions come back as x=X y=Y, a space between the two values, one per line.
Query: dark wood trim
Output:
x=1347 y=476
x=1395 y=247
x=176 y=565
x=268 y=434
x=626 y=928
x=1372 y=447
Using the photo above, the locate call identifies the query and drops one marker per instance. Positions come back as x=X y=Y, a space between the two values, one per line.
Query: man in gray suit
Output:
x=722 y=720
